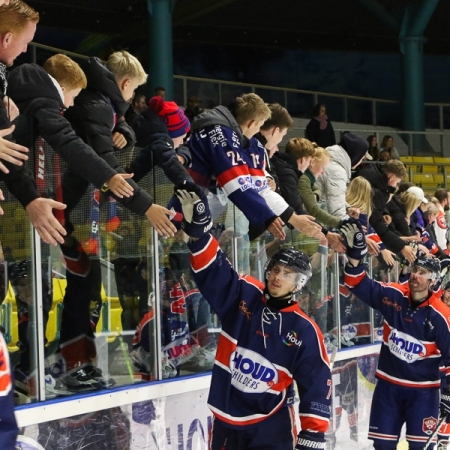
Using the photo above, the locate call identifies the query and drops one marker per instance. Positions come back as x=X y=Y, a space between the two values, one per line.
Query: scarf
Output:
x=3 y=77
x=323 y=121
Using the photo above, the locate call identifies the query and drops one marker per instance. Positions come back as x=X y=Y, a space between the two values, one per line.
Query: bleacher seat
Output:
x=424 y=164
x=406 y=159
x=424 y=180
x=439 y=179
x=423 y=159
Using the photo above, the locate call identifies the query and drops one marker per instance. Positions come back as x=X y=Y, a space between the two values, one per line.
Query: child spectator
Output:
x=221 y=146
x=97 y=118
x=160 y=131
x=42 y=93
x=98 y=110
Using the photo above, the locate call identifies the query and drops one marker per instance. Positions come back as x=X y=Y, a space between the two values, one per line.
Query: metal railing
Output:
x=299 y=102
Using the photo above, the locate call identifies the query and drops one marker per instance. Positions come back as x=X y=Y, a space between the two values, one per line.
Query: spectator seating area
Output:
x=428 y=172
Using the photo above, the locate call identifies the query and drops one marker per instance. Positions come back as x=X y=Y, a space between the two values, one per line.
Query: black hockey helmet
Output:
x=431 y=264
x=296 y=261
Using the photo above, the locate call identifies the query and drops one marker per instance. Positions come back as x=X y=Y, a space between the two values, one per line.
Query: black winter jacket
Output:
x=37 y=98
x=97 y=113
x=397 y=211
x=323 y=138
x=19 y=180
x=288 y=175
x=157 y=150
x=380 y=196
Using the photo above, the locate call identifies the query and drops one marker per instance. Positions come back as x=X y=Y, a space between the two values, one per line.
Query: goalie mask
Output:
x=297 y=263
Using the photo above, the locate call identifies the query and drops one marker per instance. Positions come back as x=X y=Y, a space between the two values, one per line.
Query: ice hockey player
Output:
x=416 y=342
x=267 y=343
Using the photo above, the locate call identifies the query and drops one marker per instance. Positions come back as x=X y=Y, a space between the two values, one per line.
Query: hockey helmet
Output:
x=431 y=264
x=296 y=260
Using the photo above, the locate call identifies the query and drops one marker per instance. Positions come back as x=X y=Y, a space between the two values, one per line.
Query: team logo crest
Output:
x=429 y=425
x=200 y=207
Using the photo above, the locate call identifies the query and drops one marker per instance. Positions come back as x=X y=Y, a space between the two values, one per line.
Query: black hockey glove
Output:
x=307 y=440
x=355 y=241
x=197 y=219
x=444 y=406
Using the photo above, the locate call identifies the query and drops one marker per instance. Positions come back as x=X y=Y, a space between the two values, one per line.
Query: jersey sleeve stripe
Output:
x=316 y=423
x=352 y=280
x=206 y=256
x=234 y=173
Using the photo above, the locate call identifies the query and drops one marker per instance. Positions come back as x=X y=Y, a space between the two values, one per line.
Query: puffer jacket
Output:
x=98 y=112
x=333 y=183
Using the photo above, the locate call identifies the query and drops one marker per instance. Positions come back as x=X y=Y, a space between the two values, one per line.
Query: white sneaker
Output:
x=55 y=387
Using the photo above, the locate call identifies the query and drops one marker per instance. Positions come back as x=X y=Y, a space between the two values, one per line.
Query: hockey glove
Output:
x=307 y=440
x=190 y=186
x=355 y=241
x=445 y=265
x=197 y=219
x=444 y=406
x=426 y=240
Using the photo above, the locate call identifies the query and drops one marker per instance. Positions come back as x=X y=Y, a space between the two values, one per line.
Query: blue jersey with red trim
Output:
x=261 y=350
x=416 y=340
x=218 y=151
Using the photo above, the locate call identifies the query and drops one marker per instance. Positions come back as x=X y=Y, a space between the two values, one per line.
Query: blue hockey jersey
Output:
x=220 y=151
x=416 y=340
x=261 y=350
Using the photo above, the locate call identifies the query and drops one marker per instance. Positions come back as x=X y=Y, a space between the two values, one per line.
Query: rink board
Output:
x=173 y=415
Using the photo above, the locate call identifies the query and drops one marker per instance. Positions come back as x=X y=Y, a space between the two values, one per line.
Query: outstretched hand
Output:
x=355 y=240
x=118 y=185
x=11 y=152
x=197 y=219
x=40 y=213
x=158 y=216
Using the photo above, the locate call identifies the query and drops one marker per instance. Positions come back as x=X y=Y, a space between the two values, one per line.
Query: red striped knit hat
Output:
x=176 y=121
